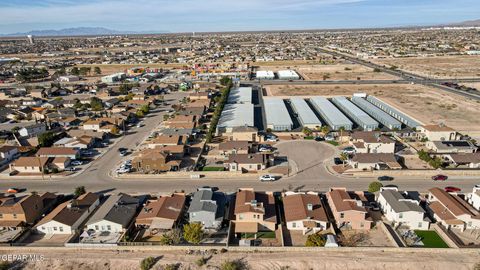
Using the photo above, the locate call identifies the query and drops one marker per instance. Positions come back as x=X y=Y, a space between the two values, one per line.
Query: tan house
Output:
x=164 y=140
x=55 y=152
x=452 y=211
x=304 y=212
x=29 y=164
x=153 y=160
x=378 y=161
x=17 y=212
x=199 y=96
x=162 y=214
x=247 y=162
x=372 y=142
x=348 y=210
x=234 y=147
x=242 y=134
x=436 y=133
x=254 y=212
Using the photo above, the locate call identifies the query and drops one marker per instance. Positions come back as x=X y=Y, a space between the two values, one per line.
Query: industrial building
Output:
x=378 y=114
x=361 y=118
x=304 y=113
x=240 y=95
x=235 y=115
x=330 y=114
x=277 y=115
x=117 y=77
x=288 y=75
x=265 y=75
x=400 y=116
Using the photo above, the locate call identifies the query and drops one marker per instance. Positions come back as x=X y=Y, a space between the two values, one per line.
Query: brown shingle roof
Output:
x=47 y=151
x=167 y=207
x=296 y=207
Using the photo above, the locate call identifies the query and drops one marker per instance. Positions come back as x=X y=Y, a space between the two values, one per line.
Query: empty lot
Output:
x=428 y=105
x=461 y=66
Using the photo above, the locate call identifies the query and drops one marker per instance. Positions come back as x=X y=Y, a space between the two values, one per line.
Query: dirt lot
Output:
x=372 y=238
x=428 y=105
x=341 y=72
x=343 y=258
x=464 y=66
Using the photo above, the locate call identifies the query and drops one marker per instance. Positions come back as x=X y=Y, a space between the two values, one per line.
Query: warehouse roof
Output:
x=236 y=115
x=305 y=113
x=240 y=95
x=276 y=112
x=402 y=117
x=287 y=73
x=332 y=115
x=376 y=112
x=349 y=108
x=265 y=74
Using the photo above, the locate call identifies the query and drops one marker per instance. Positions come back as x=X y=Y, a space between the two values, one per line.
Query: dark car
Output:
x=122 y=149
x=452 y=189
x=319 y=139
x=439 y=177
x=338 y=161
x=385 y=178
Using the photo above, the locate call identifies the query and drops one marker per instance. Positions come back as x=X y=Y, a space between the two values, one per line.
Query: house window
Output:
x=419 y=224
x=1 y=215
x=342 y=215
x=60 y=228
x=400 y=215
x=54 y=228
x=96 y=227
x=109 y=228
x=294 y=225
x=43 y=228
x=15 y=216
x=240 y=217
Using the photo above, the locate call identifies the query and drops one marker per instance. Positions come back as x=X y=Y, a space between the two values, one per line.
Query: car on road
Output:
x=76 y=163
x=70 y=169
x=439 y=177
x=13 y=190
x=123 y=153
x=267 y=178
x=452 y=189
x=385 y=178
x=122 y=149
x=264 y=149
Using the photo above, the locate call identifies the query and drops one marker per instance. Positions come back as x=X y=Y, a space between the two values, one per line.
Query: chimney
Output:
x=253 y=203
x=309 y=207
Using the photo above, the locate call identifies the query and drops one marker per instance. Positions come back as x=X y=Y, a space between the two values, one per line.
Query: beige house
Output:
x=234 y=147
x=16 y=212
x=304 y=212
x=372 y=142
x=378 y=161
x=436 y=133
x=29 y=164
x=254 y=212
x=161 y=214
x=247 y=162
x=242 y=134
x=348 y=210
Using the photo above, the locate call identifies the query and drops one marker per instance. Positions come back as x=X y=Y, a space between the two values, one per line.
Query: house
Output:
x=468 y=160
x=115 y=215
x=29 y=164
x=372 y=142
x=242 y=133
x=162 y=214
x=68 y=217
x=8 y=153
x=234 y=147
x=60 y=163
x=400 y=209
x=348 y=209
x=199 y=96
x=68 y=78
x=153 y=160
x=474 y=197
x=164 y=140
x=175 y=152
x=254 y=212
x=436 y=133
x=83 y=142
x=445 y=147
x=18 y=212
x=247 y=162
x=452 y=211
x=370 y=161
x=304 y=212
x=208 y=208
x=32 y=130
x=54 y=152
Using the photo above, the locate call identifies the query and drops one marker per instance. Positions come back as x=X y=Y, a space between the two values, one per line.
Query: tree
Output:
x=166 y=117
x=172 y=237
x=80 y=190
x=325 y=129
x=225 y=81
x=97 y=70
x=46 y=139
x=315 y=240
x=147 y=263
x=307 y=131
x=75 y=71
x=344 y=157
x=140 y=113
x=96 y=104
x=374 y=186
x=145 y=109
x=193 y=233
x=115 y=130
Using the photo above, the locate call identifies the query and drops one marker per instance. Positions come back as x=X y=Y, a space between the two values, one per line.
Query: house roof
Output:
x=249 y=201
x=31 y=162
x=452 y=202
x=296 y=207
x=47 y=151
x=386 y=158
x=465 y=158
x=246 y=159
x=238 y=145
x=167 y=139
x=166 y=207
x=399 y=203
x=437 y=128
x=371 y=137
x=344 y=202
x=119 y=208
x=207 y=200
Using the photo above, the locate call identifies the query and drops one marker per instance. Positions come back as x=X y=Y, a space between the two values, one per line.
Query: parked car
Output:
x=123 y=153
x=319 y=139
x=452 y=189
x=329 y=138
x=349 y=150
x=337 y=161
x=76 y=163
x=13 y=190
x=271 y=138
x=122 y=149
x=385 y=178
x=439 y=177
x=70 y=169
x=267 y=177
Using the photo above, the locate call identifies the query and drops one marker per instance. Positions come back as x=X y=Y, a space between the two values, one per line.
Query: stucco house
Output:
x=304 y=212
x=348 y=209
x=208 y=208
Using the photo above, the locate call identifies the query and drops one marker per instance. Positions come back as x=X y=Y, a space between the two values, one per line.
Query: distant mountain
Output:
x=468 y=23
x=77 y=31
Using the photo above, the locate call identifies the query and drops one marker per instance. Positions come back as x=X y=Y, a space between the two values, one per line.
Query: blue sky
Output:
x=229 y=15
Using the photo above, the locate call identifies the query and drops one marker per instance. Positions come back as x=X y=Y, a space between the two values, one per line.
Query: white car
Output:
x=76 y=163
x=329 y=138
x=267 y=177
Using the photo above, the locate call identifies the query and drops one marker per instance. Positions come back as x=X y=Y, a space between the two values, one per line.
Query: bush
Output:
x=5 y=265
x=315 y=240
x=374 y=186
x=232 y=265
x=170 y=267
x=172 y=237
x=213 y=169
x=201 y=261
x=193 y=233
x=80 y=190
x=147 y=263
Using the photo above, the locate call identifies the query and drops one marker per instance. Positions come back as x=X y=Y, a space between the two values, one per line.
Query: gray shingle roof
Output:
x=399 y=203
x=119 y=208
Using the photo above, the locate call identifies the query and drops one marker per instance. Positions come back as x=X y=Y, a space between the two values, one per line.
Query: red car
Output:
x=439 y=177
x=452 y=189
